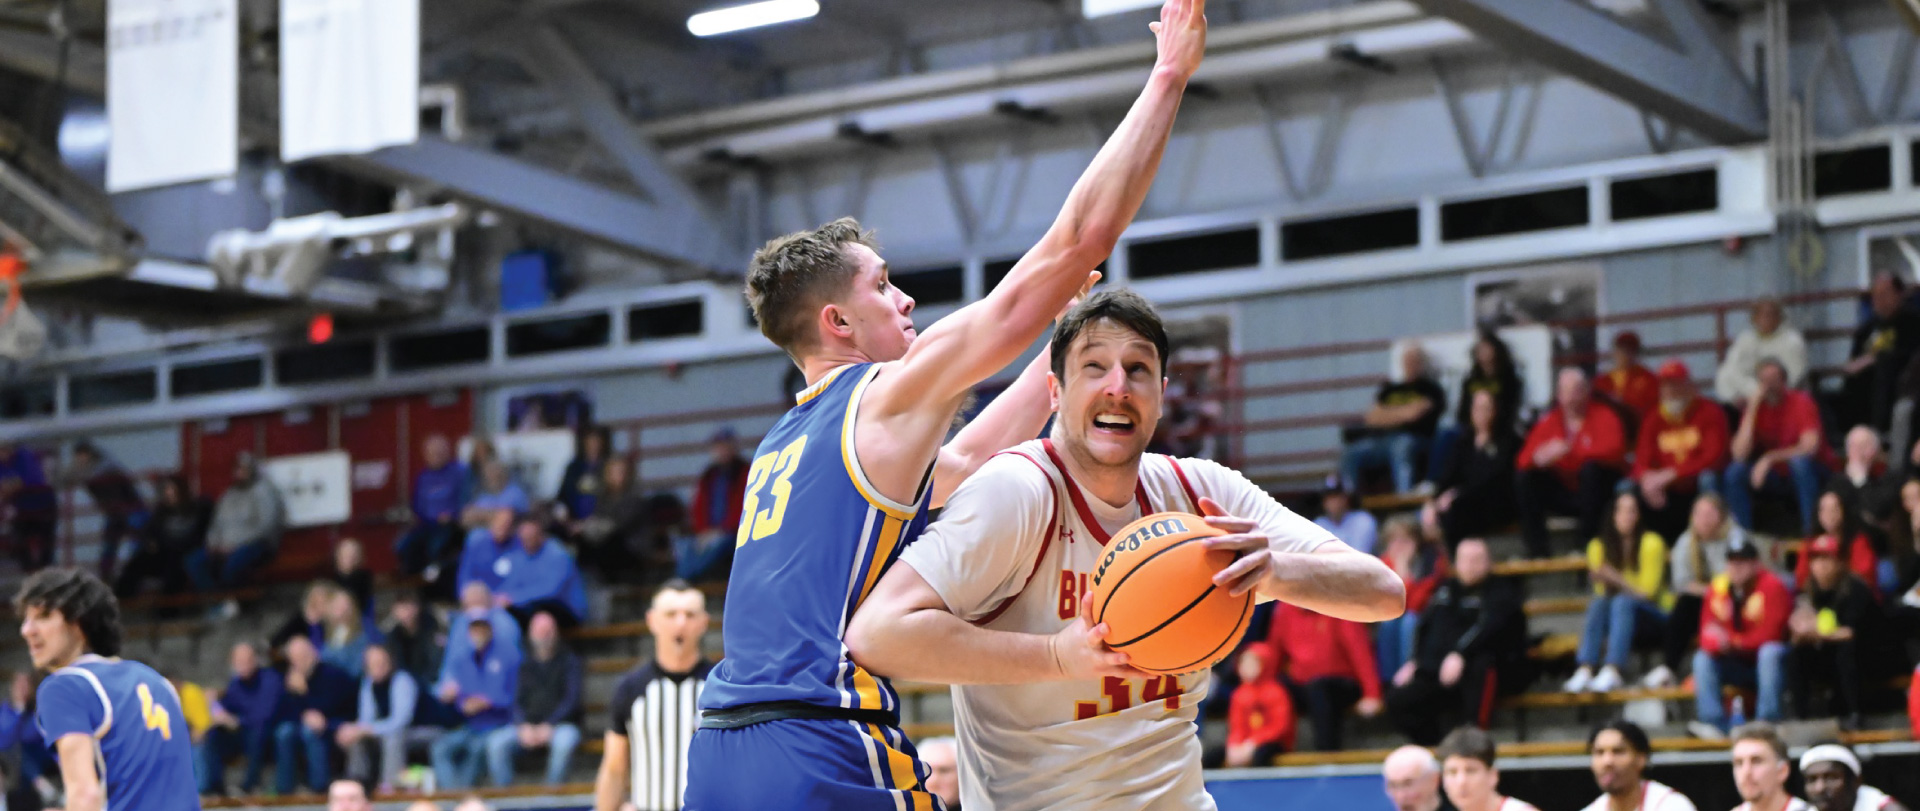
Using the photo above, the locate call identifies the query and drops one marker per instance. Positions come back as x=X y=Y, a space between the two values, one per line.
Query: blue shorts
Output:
x=806 y=763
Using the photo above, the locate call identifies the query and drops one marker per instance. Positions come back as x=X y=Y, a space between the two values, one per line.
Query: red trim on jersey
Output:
x=1053 y=524
x=1080 y=502
x=1192 y=498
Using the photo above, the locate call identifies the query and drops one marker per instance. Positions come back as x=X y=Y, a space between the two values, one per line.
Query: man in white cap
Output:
x=1832 y=774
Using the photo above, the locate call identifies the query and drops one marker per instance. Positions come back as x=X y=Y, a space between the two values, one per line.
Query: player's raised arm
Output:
x=966 y=347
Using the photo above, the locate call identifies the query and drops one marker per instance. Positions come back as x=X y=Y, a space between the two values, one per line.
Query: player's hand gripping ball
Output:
x=1154 y=589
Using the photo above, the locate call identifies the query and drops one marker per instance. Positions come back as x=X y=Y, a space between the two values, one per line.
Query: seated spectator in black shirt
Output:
x=351 y=575
x=1398 y=426
x=113 y=494
x=177 y=526
x=1834 y=631
x=613 y=540
x=1476 y=488
x=316 y=699
x=1471 y=629
x=1882 y=345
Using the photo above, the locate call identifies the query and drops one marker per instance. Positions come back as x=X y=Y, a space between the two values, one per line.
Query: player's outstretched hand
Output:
x=1182 y=34
x=1243 y=538
x=1080 y=650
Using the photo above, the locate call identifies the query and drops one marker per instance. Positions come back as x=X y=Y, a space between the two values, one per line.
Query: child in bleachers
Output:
x=1628 y=564
x=1260 y=723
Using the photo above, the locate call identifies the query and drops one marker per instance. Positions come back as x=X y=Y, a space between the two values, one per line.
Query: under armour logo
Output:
x=1067 y=534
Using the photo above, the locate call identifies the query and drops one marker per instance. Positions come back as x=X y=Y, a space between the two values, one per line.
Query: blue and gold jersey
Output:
x=815 y=536
x=143 y=749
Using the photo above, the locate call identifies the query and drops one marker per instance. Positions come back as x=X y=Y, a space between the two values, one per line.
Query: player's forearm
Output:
x=1345 y=584
x=1015 y=416
x=933 y=645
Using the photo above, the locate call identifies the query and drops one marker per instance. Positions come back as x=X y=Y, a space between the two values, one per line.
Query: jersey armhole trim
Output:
x=106 y=705
x=1046 y=540
x=851 y=456
x=1180 y=473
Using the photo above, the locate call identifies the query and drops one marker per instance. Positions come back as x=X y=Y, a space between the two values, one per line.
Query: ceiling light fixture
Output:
x=1101 y=8
x=752 y=15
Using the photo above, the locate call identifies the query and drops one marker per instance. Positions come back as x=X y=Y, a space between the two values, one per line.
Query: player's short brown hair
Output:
x=1467 y=742
x=1123 y=307
x=1763 y=732
x=791 y=276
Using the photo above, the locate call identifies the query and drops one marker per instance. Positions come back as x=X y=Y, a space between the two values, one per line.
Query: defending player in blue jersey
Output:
x=844 y=481
x=115 y=724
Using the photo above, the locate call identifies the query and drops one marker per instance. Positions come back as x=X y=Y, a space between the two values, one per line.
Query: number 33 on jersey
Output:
x=779 y=466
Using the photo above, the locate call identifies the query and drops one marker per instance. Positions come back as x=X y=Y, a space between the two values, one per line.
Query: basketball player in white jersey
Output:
x=1761 y=769
x=992 y=596
x=1618 y=751
x=1468 y=775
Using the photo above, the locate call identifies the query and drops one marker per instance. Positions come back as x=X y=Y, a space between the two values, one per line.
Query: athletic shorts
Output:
x=806 y=763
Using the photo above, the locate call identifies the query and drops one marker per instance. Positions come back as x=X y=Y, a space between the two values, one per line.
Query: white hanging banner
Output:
x=173 y=91
x=349 y=76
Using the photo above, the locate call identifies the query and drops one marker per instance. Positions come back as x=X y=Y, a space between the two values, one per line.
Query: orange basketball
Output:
x=1154 y=590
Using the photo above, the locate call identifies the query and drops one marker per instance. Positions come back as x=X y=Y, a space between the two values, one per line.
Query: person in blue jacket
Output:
x=481 y=686
x=242 y=722
x=476 y=604
x=482 y=560
x=541 y=576
x=436 y=507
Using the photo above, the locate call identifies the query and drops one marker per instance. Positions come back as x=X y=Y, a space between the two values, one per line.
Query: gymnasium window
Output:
x=26 y=399
x=1514 y=214
x=216 y=377
x=1853 y=171
x=935 y=286
x=430 y=350
x=1220 y=250
x=678 y=318
x=88 y=392
x=1350 y=234
x=590 y=331
x=342 y=360
x=1665 y=195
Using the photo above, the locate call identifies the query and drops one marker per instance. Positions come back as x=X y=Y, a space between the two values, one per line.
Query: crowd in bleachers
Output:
x=1728 y=535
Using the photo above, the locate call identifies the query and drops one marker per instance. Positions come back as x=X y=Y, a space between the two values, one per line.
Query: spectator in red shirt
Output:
x=1840 y=529
x=1683 y=446
x=1778 y=448
x=1630 y=384
x=1327 y=665
x=1743 y=632
x=708 y=553
x=1260 y=721
x=1571 y=462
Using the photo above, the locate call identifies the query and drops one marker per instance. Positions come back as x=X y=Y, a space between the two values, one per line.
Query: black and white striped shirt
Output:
x=658 y=712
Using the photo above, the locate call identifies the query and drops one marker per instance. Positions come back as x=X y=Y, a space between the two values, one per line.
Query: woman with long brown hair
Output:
x=1628 y=564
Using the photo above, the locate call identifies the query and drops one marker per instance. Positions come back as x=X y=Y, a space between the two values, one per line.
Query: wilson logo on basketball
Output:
x=1157 y=529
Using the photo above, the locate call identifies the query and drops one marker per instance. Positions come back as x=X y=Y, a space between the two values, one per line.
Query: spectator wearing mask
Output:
x=1412 y=775
x=496 y=491
x=317 y=698
x=114 y=494
x=243 y=722
x=243 y=537
x=707 y=554
x=1617 y=752
x=1573 y=458
x=414 y=639
x=347 y=638
x=1471 y=627
x=1832 y=775
x=34 y=505
x=437 y=490
x=480 y=685
x=1354 y=527
x=1476 y=485
x=1761 y=769
x=1467 y=773
x=1743 y=632
x=581 y=484
x=311 y=620
x=176 y=529
x=1628 y=566
x=546 y=706
x=483 y=559
x=1840 y=524
x=1400 y=424
x=351 y=575
x=1882 y=346
x=1327 y=666
x=1682 y=449
x=542 y=577
x=388 y=698
x=1260 y=718
x=1698 y=557
x=1777 y=449
x=1769 y=336
x=1629 y=384
x=1833 y=630
x=1420 y=559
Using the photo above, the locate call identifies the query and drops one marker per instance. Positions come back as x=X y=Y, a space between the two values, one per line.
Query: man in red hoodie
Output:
x=1683 y=446
x=1570 y=464
x=1743 y=632
x=1260 y=719
x=1327 y=665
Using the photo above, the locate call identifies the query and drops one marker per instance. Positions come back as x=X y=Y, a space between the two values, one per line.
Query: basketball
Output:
x=1154 y=590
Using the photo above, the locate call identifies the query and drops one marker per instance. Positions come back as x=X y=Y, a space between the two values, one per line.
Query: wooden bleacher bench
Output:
x=613 y=630
x=1539 y=606
x=1562 y=748
x=1542 y=701
x=1567 y=564
x=1555 y=646
x=1394 y=502
x=603 y=665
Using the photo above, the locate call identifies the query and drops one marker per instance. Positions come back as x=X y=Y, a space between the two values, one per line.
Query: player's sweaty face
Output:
x=1110 y=401
x=52 y=642
x=880 y=314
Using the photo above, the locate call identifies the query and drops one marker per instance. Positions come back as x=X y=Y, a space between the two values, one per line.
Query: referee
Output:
x=656 y=708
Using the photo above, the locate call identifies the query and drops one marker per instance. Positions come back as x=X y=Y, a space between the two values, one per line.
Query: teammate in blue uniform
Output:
x=115 y=724
x=844 y=481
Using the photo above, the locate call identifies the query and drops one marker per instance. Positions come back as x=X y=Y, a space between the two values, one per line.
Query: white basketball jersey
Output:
x=1012 y=551
x=1656 y=796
